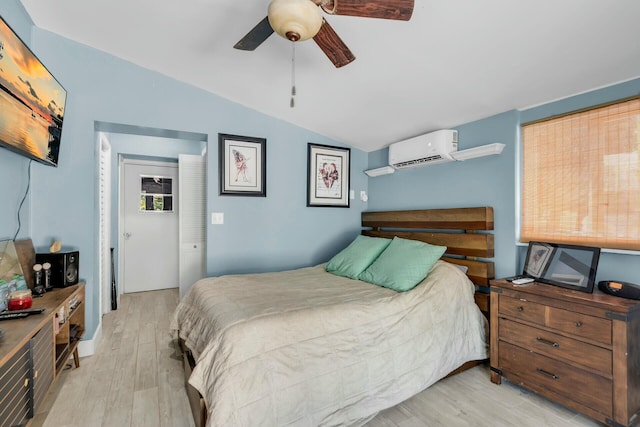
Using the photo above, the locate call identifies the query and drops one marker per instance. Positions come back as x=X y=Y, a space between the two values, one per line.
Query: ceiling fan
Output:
x=299 y=20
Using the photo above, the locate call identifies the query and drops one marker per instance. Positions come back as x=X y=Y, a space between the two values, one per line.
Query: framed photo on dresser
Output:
x=567 y=266
x=538 y=255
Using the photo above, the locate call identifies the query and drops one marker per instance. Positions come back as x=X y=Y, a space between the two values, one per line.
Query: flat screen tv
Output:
x=31 y=101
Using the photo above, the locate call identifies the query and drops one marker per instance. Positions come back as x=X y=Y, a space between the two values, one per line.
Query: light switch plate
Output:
x=217 y=217
x=352 y=194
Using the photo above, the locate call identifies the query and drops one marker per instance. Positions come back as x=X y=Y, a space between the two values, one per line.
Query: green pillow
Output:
x=355 y=258
x=403 y=265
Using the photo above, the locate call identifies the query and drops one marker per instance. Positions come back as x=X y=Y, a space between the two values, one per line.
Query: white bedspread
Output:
x=307 y=348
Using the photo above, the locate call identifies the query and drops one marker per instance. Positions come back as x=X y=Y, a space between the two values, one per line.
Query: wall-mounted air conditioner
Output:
x=428 y=149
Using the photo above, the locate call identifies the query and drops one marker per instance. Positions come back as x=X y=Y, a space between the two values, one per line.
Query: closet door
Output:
x=192 y=221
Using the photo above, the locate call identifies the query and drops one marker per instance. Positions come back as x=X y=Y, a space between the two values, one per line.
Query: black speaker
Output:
x=620 y=289
x=64 y=267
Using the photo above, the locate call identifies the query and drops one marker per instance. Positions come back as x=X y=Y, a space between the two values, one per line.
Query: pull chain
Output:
x=293 y=75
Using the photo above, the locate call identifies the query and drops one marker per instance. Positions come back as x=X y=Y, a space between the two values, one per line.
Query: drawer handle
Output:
x=547 y=342
x=520 y=309
x=547 y=374
x=577 y=324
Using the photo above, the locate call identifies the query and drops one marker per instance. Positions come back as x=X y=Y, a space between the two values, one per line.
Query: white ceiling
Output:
x=455 y=61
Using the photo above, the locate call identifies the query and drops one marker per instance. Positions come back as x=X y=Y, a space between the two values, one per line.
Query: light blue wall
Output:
x=493 y=181
x=259 y=234
x=279 y=232
x=486 y=181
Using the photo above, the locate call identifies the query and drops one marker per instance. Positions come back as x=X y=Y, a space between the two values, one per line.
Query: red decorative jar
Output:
x=20 y=300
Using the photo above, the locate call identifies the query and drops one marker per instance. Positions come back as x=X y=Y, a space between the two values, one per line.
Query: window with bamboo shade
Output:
x=581 y=178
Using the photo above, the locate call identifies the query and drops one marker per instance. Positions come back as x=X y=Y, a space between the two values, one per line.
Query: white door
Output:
x=149 y=226
x=193 y=212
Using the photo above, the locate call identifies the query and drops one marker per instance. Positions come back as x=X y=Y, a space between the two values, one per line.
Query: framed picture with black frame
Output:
x=328 y=176
x=243 y=165
x=567 y=266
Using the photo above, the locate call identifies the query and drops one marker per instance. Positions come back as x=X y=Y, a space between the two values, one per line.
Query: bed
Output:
x=306 y=347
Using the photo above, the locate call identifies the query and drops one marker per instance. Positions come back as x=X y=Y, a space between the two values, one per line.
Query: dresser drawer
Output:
x=544 y=373
x=557 y=346
x=581 y=325
x=520 y=309
x=15 y=378
x=43 y=373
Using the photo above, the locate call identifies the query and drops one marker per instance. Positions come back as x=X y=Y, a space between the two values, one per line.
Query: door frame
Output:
x=122 y=160
x=104 y=223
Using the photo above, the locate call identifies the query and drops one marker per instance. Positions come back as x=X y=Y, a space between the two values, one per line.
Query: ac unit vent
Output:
x=418 y=162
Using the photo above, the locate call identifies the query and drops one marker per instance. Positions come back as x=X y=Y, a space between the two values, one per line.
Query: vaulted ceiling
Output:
x=454 y=62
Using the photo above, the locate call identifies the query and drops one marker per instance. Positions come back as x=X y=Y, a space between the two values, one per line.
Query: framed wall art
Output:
x=328 y=176
x=243 y=165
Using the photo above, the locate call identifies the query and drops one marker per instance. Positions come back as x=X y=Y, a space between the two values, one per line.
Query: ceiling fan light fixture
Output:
x=295 y=20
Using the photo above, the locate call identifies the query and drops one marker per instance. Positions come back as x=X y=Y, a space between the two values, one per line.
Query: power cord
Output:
x=23 y=198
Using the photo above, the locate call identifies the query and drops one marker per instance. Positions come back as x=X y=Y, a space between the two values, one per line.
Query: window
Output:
x=581 y=181
x=156 y=194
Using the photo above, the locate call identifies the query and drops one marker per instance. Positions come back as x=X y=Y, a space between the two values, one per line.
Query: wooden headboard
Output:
x=461 y=230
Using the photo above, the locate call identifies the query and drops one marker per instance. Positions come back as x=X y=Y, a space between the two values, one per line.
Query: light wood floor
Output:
x=136 y=379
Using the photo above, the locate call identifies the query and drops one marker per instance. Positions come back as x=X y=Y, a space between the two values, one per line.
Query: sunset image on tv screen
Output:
x=31 y=101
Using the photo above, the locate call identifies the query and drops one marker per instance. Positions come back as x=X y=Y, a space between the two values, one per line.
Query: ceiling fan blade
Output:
x=256 y=36
x=383 y=9
x=333 y=46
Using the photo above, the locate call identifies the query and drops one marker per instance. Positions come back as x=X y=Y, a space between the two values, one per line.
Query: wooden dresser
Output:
x=34 y=350
x=579 y=349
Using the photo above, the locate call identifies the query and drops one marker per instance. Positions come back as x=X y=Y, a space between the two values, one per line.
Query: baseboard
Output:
x=88 y=347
